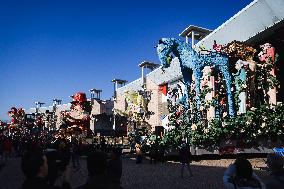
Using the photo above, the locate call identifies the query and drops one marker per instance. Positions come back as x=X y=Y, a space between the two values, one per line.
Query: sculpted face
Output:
x=267 y=52
x=238 y=66
x=265 y=46
x=164 y=49
x=206 y=71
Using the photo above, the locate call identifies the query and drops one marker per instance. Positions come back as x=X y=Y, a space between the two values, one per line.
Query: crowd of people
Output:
x=48 y=158
x=50 y=170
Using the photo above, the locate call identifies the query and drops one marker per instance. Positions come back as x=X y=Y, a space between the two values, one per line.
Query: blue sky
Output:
x=54 y=48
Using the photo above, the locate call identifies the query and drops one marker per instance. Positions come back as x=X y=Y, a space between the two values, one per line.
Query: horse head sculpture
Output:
x=165 y=47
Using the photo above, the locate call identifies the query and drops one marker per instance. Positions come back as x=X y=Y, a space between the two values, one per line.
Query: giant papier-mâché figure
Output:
x=18 y=117
x=79 y=114
x=192 y=62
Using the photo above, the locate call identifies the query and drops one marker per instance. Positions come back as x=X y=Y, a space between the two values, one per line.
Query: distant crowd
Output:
x=47 y=161
x=48 y=158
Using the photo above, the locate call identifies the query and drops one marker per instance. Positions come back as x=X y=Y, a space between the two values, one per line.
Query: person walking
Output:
x=185 y=158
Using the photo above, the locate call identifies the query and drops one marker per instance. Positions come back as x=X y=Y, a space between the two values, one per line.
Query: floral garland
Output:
x=261 y=121
x=251 y=127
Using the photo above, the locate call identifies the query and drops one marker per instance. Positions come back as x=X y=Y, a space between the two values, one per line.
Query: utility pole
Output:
x=116 y=82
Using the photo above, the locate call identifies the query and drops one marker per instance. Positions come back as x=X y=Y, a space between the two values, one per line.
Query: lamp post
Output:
x=116 y=82
x=54 y=108
x=113 y=126
x=38 y=105
x=97 y=92
x=56 y=101
x=94 y=110
x=146 y=65
x=115 y=85
x=195 y=33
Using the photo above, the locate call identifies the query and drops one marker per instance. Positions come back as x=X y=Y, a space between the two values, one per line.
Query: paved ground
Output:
x=207 y=174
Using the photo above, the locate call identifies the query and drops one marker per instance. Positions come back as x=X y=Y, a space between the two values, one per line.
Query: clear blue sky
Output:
x=54 y=48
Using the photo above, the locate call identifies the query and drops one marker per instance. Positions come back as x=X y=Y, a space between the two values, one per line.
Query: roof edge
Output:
x=228 y=21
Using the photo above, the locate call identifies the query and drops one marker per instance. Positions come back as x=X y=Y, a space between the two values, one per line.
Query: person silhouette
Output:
x=185 y=157
x=240 y=175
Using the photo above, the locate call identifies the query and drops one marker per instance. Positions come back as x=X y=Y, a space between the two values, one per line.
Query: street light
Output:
x=56 y=101
x=54 y=107
x=113 y=126
x=38 y=105
x=115 y=85
x=97 y=92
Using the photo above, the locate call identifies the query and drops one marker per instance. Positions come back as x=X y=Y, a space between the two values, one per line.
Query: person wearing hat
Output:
x=276 y=178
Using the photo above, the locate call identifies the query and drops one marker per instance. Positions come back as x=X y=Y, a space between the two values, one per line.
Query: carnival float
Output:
x=229 y=95
x=63 y=123
x=17 y=117
x=76 y=120
x=136 y=114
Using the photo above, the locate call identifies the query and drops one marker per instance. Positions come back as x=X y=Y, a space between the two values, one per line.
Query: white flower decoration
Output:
x=193 y=127
x=206 y=130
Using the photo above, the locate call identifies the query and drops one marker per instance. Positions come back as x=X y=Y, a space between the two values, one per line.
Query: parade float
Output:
x=229 y=96
x=17 y=118
x=76 y=121
x=2 y=125
x=136 y=114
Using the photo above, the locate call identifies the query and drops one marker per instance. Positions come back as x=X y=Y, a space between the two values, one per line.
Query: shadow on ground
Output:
x=140 y=176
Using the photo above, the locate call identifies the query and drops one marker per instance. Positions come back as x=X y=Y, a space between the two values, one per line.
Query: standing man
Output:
x=185 y=157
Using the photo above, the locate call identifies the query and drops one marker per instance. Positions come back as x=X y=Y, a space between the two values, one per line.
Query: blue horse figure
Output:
x=192 y=62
